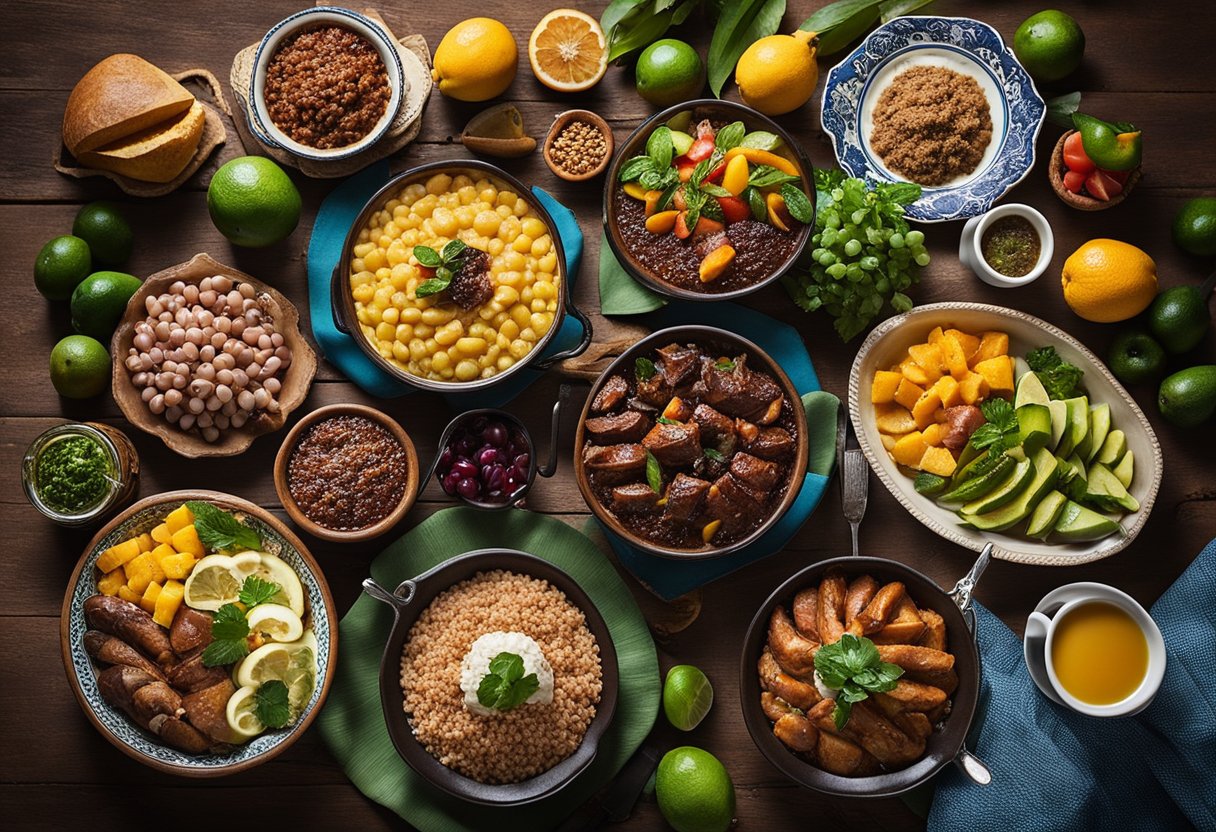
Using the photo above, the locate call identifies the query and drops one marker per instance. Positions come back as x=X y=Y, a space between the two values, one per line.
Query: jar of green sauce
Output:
x=79 y=472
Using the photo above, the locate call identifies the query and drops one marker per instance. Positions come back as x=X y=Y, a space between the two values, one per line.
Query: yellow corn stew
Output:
x=431 y=337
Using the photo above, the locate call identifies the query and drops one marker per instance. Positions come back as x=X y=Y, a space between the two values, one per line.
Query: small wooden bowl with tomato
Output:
x=1080 y=183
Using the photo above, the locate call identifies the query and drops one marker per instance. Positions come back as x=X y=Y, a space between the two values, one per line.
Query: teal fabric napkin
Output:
x=333 y=221
x=672 y=578
x=1053 y=769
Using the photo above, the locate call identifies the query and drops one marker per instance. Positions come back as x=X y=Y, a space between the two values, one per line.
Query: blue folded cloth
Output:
x=1057 y=770
x=333 y=221
x=671 y=578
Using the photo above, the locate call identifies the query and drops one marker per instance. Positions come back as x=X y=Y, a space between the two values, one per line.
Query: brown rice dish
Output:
x=516 y=744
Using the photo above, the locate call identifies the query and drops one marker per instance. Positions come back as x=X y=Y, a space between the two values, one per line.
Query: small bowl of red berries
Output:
x=1081 y=183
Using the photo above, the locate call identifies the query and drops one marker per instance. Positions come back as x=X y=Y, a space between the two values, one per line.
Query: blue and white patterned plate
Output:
x=115 y=725
x=964 y=45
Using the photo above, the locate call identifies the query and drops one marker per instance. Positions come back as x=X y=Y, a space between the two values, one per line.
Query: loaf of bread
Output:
x=130 y=117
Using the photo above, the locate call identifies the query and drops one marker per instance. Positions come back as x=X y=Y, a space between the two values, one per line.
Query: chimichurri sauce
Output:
x=73 y=474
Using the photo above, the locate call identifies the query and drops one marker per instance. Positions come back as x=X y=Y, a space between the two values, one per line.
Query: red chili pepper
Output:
x=734 y=209
x=701 y=149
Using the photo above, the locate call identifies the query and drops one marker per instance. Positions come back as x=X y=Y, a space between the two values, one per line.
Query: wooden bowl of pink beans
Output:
x=209 y=358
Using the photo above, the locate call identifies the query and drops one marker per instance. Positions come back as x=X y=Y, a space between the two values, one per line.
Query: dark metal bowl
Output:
x=727 y=341
x=408 y=601
x=343 y=302
x=943 y=747
x=636 y=144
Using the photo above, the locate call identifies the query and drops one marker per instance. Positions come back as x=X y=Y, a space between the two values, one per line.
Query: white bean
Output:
x=163 y=329
x=173 y=397
x=143 y=341
x=196 y=405
x=218 y=340
x=272 y=365
x=156 y=355
x=223 y=377
x=181 y=380
x=213 y=402
x=204 y=420
x=237 y=327
x=141 y=379
x=224 y=361
x=245 y=400
x=261 y=398
x=205 y=318
x=157 y=404
x=148 y=393
x=251 y=334
x=190 y=351
x=204 y=285
x=246 y=290
x=187 y=421
x=235 y=299
x=211 y=434
x=264 y=342
x=177 y=287
x=173 y=413
x=201 y=388
x=177 y=337
x=229 y=408
x=240 y=378
x=224 y=393
x=221 y=421
x=220 y=283
x=132 y=363
x=150 y=304
x=163 y=381
x=190 y=293
x=273 y=385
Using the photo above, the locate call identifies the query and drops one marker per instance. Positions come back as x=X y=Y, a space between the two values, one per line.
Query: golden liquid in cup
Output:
x=1099 y=653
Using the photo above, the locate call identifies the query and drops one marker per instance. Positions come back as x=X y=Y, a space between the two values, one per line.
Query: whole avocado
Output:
x=1188 y=397
x=1179 y=318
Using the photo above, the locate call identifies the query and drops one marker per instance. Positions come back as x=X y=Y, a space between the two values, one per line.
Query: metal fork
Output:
x=854 y=477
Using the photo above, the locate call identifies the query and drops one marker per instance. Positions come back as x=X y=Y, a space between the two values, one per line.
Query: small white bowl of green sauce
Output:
x=1009 y=246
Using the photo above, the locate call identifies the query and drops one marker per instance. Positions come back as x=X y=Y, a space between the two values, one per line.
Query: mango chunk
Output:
x=938 y=461
x=970 y=343
x=148 y=600
x=934 y=434
x=167 y=602
x=935 y=335
x=992 y=344
x=178 y=565
x=908 y=393
x=925 y=411
x=930 y=358
x=163 y=551
x=955 y=358
x=118 y=555
x=948 y=391
x=179 y=518
x=125 y=593
x=186 y=539
x=146 y=543
x=161 y=534
x=893 y=419
x=888 y=441
x=882 y=390
x=716 y=263
x=109 y=583
x=998 y=372
x=909 y=450
x=914 y=373
x=142 y=571
x=973 y=388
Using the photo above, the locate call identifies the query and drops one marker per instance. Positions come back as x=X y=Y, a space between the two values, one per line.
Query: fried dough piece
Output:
x=135 y=626
x=876 y=734
x=947 y=680
x=876 y=614
x=113 y=650
x=913 y=723
x=934 y=636
x=806 y=612
x=181 y=735
x=795 y=653
x=916 y=659
x=900 y=632
x=795 y=692
x=831 y=606
x=839 y=756
x=774 y=706
x=914 y=696
x=797 y=732
x=858 y=595
x=906 y=610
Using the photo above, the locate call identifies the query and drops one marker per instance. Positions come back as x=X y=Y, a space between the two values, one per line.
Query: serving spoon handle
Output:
x=972 y=766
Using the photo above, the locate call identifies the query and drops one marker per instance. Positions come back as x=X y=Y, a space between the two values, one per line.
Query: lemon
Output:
x=213 y=583
x=1107 y=280
x=568 y=51
x=275 y=569
x=276 y=622
x=293 y=664
x=476 y=59
x=242 y=719
x=253 y=202
x=778 y=74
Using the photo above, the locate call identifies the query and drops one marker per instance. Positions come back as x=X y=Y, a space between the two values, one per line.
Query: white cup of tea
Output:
x=1102 y=653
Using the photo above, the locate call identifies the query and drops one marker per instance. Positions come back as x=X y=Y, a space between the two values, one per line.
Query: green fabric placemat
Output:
x=620 y=294
x=352 y=723
x=821 y=408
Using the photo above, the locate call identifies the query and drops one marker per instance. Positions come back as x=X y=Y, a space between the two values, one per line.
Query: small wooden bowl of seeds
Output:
x=579 y=145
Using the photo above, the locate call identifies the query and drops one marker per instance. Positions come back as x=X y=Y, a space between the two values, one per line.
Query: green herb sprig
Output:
x=230 y=626
x=654 y=473
x=1000 y=429
x=644 y=369
x=271 y=704
x=853 y=667
x=220 y=531
x=445 y=263
x=1060 y=379
x=506 y=686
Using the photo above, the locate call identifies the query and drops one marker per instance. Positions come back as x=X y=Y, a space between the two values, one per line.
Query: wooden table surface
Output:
x=56 y=769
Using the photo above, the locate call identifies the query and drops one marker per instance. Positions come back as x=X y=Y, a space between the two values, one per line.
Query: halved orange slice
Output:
x=568 y=51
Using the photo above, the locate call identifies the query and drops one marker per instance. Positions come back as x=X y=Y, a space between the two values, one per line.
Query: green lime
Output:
x=694 y=791
x=60 y=266
x=1135 y=357
x=669 y=71
x=1049 y=44
x=1179 y=318
x=99 y=301
x=1195 y=226
x=253 y=202
x=687 y=696
x=80 y=367
x=103 y=226
x=1188 y=397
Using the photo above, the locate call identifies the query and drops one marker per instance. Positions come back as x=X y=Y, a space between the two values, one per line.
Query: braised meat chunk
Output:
x=680 y=364
x=685 y=496
x=629 y=426
x=674 y=445
x=737 y=391
x=637 y=498
x=755 y=472
x=771 y=443
x=611 y=395
x=614 y=464
x=737 y=506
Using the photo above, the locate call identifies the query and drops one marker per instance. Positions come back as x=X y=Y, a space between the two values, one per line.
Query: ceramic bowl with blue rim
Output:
x=264 y=126
x=967 y=46
x=82 y=670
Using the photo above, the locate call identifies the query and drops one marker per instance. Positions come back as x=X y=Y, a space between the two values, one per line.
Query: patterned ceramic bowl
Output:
x=115 y=725
x=968 y=46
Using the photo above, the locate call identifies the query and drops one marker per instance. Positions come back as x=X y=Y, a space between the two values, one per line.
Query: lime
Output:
x=694 y=791
x=103 y=226
x=1179 y=318
x=80 y=367
x=1049 y=44
x=60 y=266
x=1195 y=226
x=1135 y=357
x=669 y=71
x=687 y=696
x=253 y=202
x=98 y=303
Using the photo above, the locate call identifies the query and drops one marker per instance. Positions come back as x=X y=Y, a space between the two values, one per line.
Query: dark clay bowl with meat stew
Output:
x=692 y=444
x=708 y=200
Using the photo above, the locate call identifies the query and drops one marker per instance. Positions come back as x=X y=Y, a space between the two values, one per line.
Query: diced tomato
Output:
x=734 y=209
x=701 y=149
x=682 y=231
x=715 y=175
x=426 y=272
x=1074 y=181
x=1119 y=176
x=1101 y=186
x=1074 y=155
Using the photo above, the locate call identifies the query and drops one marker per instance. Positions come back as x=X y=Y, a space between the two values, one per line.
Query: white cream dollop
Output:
x=476 y=664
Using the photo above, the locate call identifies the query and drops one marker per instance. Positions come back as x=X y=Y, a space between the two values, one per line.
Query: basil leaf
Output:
x=725 y=365
x=665 y=198
x=271 y=705
x=841 y=713
x=852 y=692
x=453 y=250
x=740 y=24
x=797 y=204
x=644 y=369
x=755 y=201
x=654 y=473
x=761 y=140
x=703 y=169
x=839 y=24
x=509 y=666
x=663 y=420
x=638 y=29
x=730 y=136
x=517 y=693
x=660 y=148
x=765 y=176
x=428 y=257
x=631 y=171
x=713 y=210
x=225 y=651
x=715 y=190
x=432 y=287
x=651 y=180
x=220 y=531
x=714 y=454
